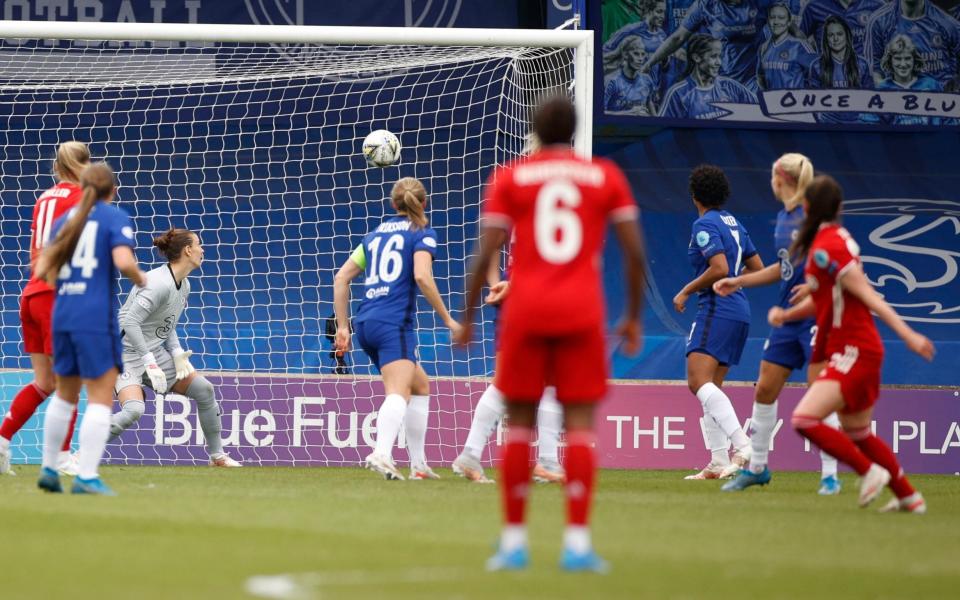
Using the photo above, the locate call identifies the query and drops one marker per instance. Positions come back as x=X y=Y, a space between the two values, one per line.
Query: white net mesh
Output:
x=257 y=149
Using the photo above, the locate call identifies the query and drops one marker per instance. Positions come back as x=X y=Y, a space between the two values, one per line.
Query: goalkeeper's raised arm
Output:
x=152 y=354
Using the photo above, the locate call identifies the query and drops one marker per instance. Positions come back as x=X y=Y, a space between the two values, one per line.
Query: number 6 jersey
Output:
x=558 y=205
x=386 y=256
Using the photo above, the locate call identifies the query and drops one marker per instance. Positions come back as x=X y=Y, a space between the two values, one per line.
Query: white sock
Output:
x=764 y=421
x=94 y=431
x=715 y=441
x=489 y=410
x=577 y=538
x=549 y=422
x=55 y=425
x=4 y=443
x=828 y=464
x=716 y=404
x=389 y=420
x=415 y=424
x=513 y=537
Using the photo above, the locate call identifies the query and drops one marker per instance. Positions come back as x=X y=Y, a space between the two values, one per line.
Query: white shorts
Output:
x=135 y=373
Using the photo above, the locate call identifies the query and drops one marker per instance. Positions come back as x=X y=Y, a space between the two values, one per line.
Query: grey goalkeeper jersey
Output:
x=148 y=318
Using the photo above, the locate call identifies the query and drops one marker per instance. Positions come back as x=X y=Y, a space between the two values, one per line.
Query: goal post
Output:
x=250 y=136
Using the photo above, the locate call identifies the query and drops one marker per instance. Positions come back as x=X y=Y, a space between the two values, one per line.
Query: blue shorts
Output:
x=86 y=355
x=720 y=338
x=386 y=342
x=789 y=346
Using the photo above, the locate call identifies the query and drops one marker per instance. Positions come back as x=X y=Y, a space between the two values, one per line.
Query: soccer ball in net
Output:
x=381 y=148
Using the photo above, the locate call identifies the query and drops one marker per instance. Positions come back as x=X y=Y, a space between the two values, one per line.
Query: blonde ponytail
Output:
x=409 y=198
x=795 y=170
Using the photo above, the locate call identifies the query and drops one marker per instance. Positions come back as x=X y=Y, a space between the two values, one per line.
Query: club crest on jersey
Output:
x=703 y=238
x=430 y=242
x=127 y=232
x=821 y=258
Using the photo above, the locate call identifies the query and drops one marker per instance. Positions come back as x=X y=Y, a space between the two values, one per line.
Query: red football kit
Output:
x=848 y=336
x=36 y=304
x=558 y=206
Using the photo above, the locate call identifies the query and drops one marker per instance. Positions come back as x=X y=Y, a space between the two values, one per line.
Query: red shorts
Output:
x=36 y=317
x=859 y=377
x=575 y=363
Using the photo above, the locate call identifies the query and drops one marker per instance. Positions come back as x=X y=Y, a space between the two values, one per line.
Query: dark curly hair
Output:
x=709 y=186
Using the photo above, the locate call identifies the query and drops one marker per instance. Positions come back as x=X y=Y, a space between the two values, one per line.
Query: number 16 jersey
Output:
x=386 y=257
x=558 y=205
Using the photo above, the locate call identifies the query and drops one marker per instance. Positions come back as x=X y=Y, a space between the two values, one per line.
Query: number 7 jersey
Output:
x=558 y=206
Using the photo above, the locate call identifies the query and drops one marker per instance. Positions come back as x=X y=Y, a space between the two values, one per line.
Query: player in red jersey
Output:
x=842 y=299
x=36 y=305
x=558 y=206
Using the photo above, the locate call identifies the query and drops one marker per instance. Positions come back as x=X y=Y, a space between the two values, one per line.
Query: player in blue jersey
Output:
x=855 y=13
x=696 y=95
x=737 y=23
x=839 y=68
x=784 y=59
x=719 y=247
x=397 y=257
x=650 y=30
x=628 y=91
x=788 y=347
x=935 y=34
x=93 y=241
x=903 y=65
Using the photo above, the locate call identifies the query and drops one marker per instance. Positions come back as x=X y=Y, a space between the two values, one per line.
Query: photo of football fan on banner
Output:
x=887 y=63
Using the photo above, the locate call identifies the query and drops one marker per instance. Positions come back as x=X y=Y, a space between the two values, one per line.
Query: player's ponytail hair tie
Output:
x=409 y=198
x=172 y=243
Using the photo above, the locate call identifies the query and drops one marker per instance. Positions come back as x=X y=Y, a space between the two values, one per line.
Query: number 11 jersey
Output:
x=558 y=205
x=386 y=257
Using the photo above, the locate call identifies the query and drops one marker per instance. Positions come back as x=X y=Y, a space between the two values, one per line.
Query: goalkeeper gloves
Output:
x=158 y=381
x=181 y=360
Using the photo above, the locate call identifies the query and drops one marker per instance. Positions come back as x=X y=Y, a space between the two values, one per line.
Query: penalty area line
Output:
x=309 y=585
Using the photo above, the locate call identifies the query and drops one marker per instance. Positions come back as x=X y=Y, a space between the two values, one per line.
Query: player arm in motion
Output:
x=668 y=47
x=717 y=269
x=804 y=309
x=423 y=275
x=353 y=267
x=855 y=281
x=131 y=323
x=498 y=286
x=750 y=278
x=634 y=257
x=492 y=240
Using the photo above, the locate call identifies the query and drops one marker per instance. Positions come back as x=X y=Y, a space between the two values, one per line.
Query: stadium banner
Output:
x=331 y=421
x=798 y=63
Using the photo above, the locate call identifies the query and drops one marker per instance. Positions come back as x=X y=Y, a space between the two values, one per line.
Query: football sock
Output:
x=24 y=404
x=581 y=470
x=717 y=442
x=489 y=410
x=513 y=537
x=94 y=431
x=549 y=422
x=577 y=539
x=59 y=413
x=515 y=474
x=717 y=404
x=130 y=413
x=415 y=424
x=389 y=420
x=67 y=441
x=880 y=453
x=831 y=441
x=828 y=464
x=208 y=412
x=764 y=421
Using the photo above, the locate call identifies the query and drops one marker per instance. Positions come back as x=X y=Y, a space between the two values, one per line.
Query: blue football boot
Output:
x=588 y=562
x=94 y=486
x=829 y=486
x=49 y=481
x=746 y=478
x=515 y=560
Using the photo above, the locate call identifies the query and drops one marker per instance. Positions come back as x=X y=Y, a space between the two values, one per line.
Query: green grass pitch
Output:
x=344 y=533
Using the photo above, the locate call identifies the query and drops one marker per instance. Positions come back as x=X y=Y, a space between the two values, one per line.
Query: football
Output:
x=381 y=148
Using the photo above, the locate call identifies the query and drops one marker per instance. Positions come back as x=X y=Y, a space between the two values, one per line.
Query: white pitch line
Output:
x=307 y=586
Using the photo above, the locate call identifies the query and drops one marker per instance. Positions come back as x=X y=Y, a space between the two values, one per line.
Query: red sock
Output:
x=24 y=404
x=67 y=440
x=833 y=442
x=880 y=453
x=515 y=473
x=581 y=467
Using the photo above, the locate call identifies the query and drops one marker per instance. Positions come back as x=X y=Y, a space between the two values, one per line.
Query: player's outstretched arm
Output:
x=492 y=240
x=855 y=281
x=634 y=258
x=765 y=276
x=423 y=275
x=341 y=298
x=716 y=270
x=805 y=309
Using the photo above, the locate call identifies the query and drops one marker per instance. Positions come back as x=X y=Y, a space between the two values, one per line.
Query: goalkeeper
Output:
x=152 y=355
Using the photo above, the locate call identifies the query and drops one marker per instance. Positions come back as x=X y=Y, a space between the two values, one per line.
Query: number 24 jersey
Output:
x=558 y=205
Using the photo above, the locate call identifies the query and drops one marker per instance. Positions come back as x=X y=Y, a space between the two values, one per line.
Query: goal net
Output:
x=253 y=142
